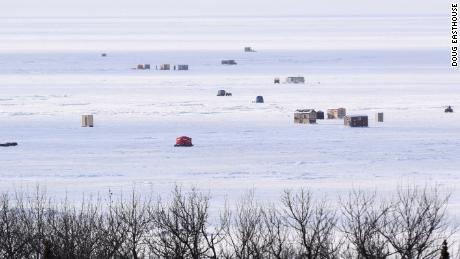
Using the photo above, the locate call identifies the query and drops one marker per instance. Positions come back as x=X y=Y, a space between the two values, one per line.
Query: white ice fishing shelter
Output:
x=87 y=121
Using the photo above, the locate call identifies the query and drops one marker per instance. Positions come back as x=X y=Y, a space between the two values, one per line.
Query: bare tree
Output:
x=114 y=235
x=417 y=223
x=314 y=225
x=362 y=222
x=134 y=216
x=14 y=242
x=90 y=227
x=412 y=225
x=182 y=227
x=246 y=232
x=75 y=232
x=32 y=210
x=278 y=235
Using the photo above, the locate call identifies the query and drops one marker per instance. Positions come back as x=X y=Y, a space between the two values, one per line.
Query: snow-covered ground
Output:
x=51 y=72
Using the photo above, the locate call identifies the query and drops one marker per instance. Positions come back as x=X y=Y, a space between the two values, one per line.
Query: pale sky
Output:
x=154 y=8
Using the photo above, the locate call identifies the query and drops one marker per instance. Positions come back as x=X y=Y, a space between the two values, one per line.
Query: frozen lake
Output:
x=51 y=73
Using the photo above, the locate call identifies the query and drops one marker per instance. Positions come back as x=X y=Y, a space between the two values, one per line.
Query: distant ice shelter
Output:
x=276 y=80
x=320 y=115
x=259 y=99
x=305 y=116
x=379 y=117
x=223 y=93
x=295 y=80
x=183 y=141
x=182 y=67
x=228 y=62
x=249 y=49
x=356 y=121
x=338 y=113
x=87 y=121
x=165 y=67
x=143 y=66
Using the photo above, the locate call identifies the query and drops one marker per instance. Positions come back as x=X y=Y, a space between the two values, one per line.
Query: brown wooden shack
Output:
x=305 y=116
x=338 y=113
x=356 y=121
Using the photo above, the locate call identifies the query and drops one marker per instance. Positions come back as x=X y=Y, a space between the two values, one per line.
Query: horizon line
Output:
x=231 y=16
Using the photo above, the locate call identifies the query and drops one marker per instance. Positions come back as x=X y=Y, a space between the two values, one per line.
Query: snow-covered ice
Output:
x=51 y=72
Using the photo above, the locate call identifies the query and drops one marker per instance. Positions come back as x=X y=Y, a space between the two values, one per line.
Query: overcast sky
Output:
x=153 y=8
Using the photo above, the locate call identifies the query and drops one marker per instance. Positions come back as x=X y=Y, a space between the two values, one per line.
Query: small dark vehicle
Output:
x=8 y=144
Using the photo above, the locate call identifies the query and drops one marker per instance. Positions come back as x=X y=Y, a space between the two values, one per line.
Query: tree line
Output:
x=412 y=223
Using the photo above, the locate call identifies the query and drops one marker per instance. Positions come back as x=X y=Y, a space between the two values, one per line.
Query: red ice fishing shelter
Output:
x=183 y=141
